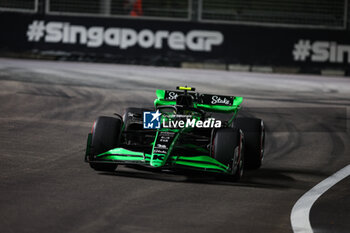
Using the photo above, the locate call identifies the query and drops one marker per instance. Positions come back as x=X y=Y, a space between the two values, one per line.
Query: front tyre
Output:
x=105 y=136
x=227 y=148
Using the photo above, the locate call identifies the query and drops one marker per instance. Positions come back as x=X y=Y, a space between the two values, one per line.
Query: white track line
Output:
x=301 y=210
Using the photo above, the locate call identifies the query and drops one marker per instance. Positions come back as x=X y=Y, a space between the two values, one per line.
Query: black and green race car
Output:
x=188 y=130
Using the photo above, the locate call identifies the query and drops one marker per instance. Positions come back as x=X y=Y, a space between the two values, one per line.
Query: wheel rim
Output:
x=241 y=154
x=235 y=164
x=240 y=164
x=241 y=167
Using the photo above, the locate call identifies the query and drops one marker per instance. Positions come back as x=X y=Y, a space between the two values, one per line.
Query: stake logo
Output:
x=172 y=96
x=321 y=51
x=218 y=100
x=123 y=38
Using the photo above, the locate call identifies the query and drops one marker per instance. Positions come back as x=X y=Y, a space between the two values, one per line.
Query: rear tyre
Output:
x=105 y=136
x=227 y=149
x=254 y=138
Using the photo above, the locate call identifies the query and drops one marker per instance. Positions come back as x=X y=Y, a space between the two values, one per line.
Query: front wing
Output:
x=124 y=156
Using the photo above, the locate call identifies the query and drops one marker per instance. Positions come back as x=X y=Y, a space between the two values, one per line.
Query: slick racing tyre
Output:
x=105 y=136
x=227 y=148
x=254 y=138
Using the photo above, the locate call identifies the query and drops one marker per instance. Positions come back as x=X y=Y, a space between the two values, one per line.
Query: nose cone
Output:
x=156 y=163
x=157 y=160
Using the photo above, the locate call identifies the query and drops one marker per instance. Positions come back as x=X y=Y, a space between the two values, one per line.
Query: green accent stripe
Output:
x=202 y=166
x=203 y=159
x=121 y=154
x=122 y=151
x=163 y=102
x=160 y=94
x=124 y=158
x=220 y=108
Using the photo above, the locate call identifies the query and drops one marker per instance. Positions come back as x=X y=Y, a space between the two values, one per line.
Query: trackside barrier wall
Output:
x=161 y=42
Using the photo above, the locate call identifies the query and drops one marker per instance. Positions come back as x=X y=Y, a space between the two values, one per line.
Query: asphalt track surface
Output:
x=46 y=112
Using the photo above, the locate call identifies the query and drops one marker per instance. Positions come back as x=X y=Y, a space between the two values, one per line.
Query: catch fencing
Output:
x=328 y=14
x=297 y=13
x=30 y=6
x=154 y=9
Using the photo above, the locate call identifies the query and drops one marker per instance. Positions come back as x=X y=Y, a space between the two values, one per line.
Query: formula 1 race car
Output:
x=185 y=130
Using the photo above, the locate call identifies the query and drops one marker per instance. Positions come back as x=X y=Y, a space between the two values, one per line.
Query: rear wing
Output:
x=208 y=102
